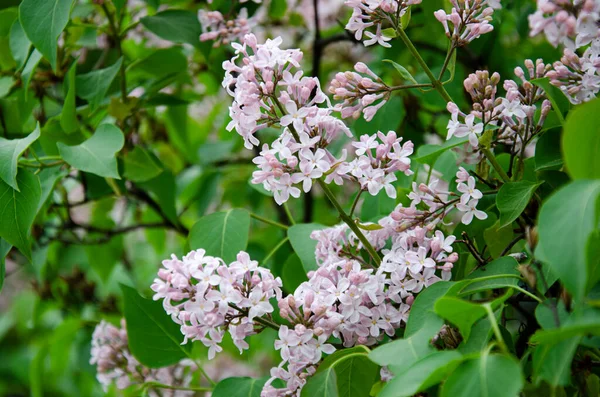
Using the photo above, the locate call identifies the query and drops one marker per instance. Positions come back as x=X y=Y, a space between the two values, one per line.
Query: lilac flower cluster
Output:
x=468 y=20
x=353 y=301
x=223 y=31
x=269 y=89
x=115 y=364
x=359 y=93
x=367 y=14
x=208 y=297
x=572 y=23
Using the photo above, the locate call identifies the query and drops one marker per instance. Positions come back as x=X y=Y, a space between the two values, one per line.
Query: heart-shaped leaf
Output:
x=10 y=152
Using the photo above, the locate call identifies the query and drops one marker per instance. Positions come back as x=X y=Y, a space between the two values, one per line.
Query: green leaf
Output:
x=10 y=152
x=500 y=273
x=490 y=375
x=162 y=189
x=43 y=21
x=322 y=384
x=19 y=43
x=154 y=339
x=239 y=387
x=140 y=166
x=566 y=221
x=277 y=9
x=68 y=117
x=18 y=210
x=552 y=363
x=401 y=354
x=178 y=26
x=97 y=154
x=512 y=199
x=581 y=141
x=423 y=374
x=405 y=74
x=498 y=238
x=355 y=375
x=559 y=101
x=339 y=354
x=303 y=245
x=584 y=322
x=422 y=308
x=94 y=85
x=428 y=154
x=5 y=248
x=405 y=18
x=551 y=312
x=293 y=273
x=222 y=234
x=548 y=151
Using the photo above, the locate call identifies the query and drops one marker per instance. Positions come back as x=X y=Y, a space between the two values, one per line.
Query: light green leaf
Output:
x=94 y=85
x=239 y=387
x=43 y=21
x=18 y=210
x=277 y=9
x=580 y=323
x=581 y=141
x=303 y=245
x=140 y=166
x=490 y=375
x=97 y=154
x=512 y=199
x=405 y=74
x=339 y=354
x=293 y=273
x=5 y=247
x=10 y=152
x=422 y=308
x=322 y=384
x=566 y=221
x=428 y=154
x=222 y=234
x=178 y=26
x=559 y=101
x=500 y=273
x=552 y=363
x=498 y=238
x=355 y=375
x=154 y=339
x=19 y=43
x=68 y=117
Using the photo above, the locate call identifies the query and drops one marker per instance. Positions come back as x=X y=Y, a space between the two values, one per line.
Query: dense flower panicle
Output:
x=369 y=15
x=361 y=91
x=572 y=23
x=269 y=89
x=115 y=364
x=468 y=20
x=222 y=31
x=208 y=297
x=578 y=77
x=350 y=300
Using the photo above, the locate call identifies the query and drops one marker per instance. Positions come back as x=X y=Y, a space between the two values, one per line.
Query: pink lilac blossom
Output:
x=221 y=30
x=373 y=14
x=348 y=299
x=270 y=90
x=572 y=23
x=207 y=297
x=468 y=20
x=116 y=365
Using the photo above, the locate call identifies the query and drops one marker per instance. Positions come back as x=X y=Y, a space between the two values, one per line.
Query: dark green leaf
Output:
x=140 y=166
x=303 y=245
x=566 y=221
x=498 y=238
x=428 y=154
x=10 y=152
x=277 y=9
x=154 y=339
x=552 y=363
x=322 y=384
x=422 y=308
x=4 y=250
x=222 y=234
x=584 y=322
x=581 y=141
x=355 y=375
x=43 y=21
x=293 y=273
x=500 y=273
x=178 y=26
x=68 y=117
x=405 y=74
x=559 y=101
x=512 y=199
x=339 y=354
x=94 y=85
x=97 y=154
x=19 y=43
x=548 y=152
x=490 y=375
x=239 y=387
x=18 y=210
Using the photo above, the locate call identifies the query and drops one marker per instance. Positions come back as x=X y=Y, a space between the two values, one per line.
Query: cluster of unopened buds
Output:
x=361 y=91
x=116 y=365
x=208 y=297
x=468 y=20
x=367 y=14
x=572 y=23
x=221 y=30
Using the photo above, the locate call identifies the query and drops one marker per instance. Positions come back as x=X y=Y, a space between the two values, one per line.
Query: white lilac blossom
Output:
x=572 y=23
x=468 y=20
x=578 y=77
x=361 y=91
x=221 y=30
x=351 y=300
x=207 y=297
x=369 y=16
x=116 y=365
x=269 y=89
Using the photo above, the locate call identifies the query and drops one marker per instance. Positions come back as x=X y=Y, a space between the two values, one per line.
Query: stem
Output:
x=437 y=85
x=408 y=86
x=288 y=213
x=495 y=327
x=348 y=220
x=259 y=320
x=447 y=60
x=525 y=292
x=274 y=250
x=360 y=192
x=117 y=37
x=268 y=221
x=492 y=159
